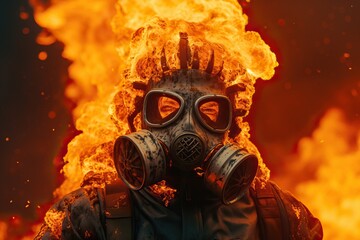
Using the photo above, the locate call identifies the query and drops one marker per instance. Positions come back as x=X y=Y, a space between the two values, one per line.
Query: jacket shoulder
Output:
x=76 y=216
x=302 y=223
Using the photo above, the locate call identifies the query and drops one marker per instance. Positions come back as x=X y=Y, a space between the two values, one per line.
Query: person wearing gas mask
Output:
x=185 y=118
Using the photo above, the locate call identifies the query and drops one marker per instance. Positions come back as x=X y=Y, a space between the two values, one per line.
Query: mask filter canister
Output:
x=139 y=159
x=230 y=173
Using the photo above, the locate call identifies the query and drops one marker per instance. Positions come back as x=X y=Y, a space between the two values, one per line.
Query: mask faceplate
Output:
x=185 y=112
x=186 y=116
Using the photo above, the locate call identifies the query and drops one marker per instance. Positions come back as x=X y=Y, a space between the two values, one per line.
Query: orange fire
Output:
x=3 y=230
x=332 y=157
x=113 y=44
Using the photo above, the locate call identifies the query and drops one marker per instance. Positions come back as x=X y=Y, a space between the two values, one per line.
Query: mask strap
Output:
x=138 y=105
x=237 y=112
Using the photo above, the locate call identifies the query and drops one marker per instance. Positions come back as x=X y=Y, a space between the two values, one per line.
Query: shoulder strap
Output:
x=273 y=220
x=118 y=211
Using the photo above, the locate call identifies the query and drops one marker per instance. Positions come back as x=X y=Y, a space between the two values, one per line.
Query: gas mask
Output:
x=185 y=118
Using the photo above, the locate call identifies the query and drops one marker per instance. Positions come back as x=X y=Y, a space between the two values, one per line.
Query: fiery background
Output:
x=305 y=121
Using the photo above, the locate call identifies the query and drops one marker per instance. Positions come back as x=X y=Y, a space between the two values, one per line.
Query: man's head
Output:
x=186 y=116
x=188 y=111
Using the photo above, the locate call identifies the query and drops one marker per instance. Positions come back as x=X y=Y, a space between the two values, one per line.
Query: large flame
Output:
x=332 y=154
x=90 y=43
x=113 y=44
x=3 y=230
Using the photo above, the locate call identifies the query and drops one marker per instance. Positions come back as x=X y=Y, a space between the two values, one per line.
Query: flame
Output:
x=90 y=43
x=113 y=44
x=3 y=230
x=331 y=156
x=163 y=191
x=53 y=219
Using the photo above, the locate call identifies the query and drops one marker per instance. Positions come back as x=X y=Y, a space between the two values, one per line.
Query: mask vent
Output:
x=187 y=151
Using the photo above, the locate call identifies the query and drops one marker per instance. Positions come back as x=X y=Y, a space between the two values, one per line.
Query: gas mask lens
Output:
x=162 y=107
x=214 y=112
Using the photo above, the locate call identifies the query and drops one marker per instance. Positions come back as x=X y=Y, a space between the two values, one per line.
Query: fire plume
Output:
x=113 y=44
x=331 y=156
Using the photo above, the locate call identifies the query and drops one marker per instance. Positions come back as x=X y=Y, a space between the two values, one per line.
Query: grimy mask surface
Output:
x=185 y=117
x=189 y=113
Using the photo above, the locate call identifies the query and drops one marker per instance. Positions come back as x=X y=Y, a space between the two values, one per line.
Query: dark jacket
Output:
x=268 y=213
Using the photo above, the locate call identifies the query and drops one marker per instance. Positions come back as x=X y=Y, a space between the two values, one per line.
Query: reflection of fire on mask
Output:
x=186 y=114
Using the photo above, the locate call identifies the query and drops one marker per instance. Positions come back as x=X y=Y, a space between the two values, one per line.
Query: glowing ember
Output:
x=42 y=56
x=52 y=114
x=24 y=15
x=25 y=31
x=163 y=191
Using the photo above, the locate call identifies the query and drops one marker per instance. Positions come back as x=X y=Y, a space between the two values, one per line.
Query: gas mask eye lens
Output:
x=210 y=110
x=167 y=106
x=214 y=112
x=162 y=107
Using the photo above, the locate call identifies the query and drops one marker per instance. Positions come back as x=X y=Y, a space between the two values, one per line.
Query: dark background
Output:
x=316 y=43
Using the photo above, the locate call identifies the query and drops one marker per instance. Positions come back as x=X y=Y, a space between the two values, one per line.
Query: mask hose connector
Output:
x=187 y=151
